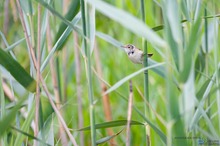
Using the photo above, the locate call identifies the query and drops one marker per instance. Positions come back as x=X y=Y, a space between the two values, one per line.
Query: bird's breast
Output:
x=135 y=57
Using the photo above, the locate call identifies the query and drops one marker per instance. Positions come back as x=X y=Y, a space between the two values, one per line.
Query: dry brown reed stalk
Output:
x=6 y=18
x=78 y=87
x=66 y=3
x=37 y=104
x=62 y=133
x=130 y=103
x=72 y=139
x=14 y=11
x=64 y=71
x=26 y=36
x=105 y=97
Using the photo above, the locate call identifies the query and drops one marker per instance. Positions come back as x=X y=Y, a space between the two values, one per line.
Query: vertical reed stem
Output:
x=130 y=103
x=56 y=86
x=2 y=109
x=206 y=53
x=146 y=83
x=89 y=74
x=79 y=87
x=38 y=76
x=105 y=97
x=72 y=139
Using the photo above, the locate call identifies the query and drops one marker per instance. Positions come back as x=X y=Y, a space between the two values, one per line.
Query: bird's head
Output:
x=128 y=48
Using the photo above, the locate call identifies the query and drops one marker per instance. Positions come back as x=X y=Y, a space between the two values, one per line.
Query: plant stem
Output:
x=2 y=109
x=146 y=83
x=206 y=53
x=38 y=76
x=79 y=88
x=72 y=139
x=89 y=75
x=130 y=103
x=56 y=86
x=105 y=97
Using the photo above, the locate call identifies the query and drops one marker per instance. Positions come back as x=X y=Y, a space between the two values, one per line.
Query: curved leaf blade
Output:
x=52 y=10
x=109 y=39
x=122 y=81
x=11 y=47
x=72 y=12
x=30 y=136
x=129 y=21
x=5 y=122
x=111 y=124
x=154 y=127
x=106 y=139
x=17 y=71
x=27 y=7
x=60 y=41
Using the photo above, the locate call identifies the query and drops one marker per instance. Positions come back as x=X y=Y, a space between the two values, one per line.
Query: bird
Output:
x=134 y=54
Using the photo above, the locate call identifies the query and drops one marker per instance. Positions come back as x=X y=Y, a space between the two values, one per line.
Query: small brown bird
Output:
x=134 y=54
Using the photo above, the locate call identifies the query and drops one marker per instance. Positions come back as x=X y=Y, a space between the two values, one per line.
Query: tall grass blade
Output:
x=157 y=130
x=52 y=10
x=108 y=138
x=190 y=50
x=112 y=124
x=211 y=31
x=70 y=14
x=92 y=27
x=27 y=7
x=129 y=21
x=5 y=123
x=11 y=47
x=86 y=30
x=3 y=141
x=17 y=71
x=25 y=127
x=173 y=31
x=146 y=81
x=60 y=41
x=30 y=136
x=122 y=81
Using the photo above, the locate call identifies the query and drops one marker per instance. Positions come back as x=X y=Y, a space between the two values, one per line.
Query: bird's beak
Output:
x=125 y=49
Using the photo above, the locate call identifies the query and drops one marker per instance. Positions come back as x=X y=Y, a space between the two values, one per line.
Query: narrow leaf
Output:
x=6 y=121
x=71 y=13
x=129 y=21
x=122 y=81
x=30 y=136
x=60 y=41
x=20 y=137
x=26 y=6
x=17 y=71
x=52 y=10
x=190 y=50
x=212 y=34
x=109 y=39
x=91 y=25
x=111 y=124
x=9 y=48
x=157 y=130
x=106 y=139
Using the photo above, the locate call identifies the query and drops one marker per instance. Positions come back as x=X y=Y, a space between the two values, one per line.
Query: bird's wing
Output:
x=149 y=54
